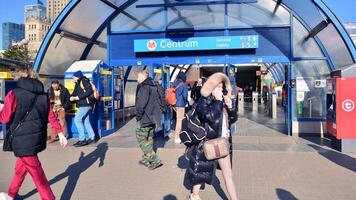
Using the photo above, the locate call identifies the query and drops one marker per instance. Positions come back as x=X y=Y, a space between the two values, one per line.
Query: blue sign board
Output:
x=197 y=43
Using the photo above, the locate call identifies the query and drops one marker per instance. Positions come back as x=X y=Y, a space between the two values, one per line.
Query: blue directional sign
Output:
x=197 y=43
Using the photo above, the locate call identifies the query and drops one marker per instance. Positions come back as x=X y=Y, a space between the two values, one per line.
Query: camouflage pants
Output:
x=145 y=141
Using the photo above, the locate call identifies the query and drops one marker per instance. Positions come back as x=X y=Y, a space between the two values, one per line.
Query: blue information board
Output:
x=197 y=43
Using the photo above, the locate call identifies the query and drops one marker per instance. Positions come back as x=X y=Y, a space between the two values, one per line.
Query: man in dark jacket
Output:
x=59 y=98
x=182 y=100
x=148 y=116
x=81 y=95
x=26 y=111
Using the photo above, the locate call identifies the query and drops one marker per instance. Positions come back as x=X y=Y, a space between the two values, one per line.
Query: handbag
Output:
x=216 y=148
x=9 y=135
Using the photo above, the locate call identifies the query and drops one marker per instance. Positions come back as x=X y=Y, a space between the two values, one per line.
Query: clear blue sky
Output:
x=13 y=10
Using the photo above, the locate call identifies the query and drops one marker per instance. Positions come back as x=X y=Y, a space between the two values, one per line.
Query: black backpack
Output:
x=193 y=131
x=161 y=97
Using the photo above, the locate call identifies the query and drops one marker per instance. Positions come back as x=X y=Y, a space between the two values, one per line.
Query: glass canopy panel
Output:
x=150 y=18
x=302 y=47
x=92 y=12
x=264 y=12
x=134 y=71
x=118 y=2
x=335 y=46
x=306 y=10
x=196 y=16
x=97 y=53
x=130 y=94
x=69 y=50
x=311 y=68
x=103 y=36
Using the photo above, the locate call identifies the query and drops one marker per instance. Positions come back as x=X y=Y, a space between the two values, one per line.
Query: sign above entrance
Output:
x=197 y=43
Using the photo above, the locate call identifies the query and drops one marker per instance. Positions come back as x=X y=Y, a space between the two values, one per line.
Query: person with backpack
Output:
x=149 y=119
x=84 y=99
x=59 y=98
x=181 y=91
x=216 y=114
x=26 y=111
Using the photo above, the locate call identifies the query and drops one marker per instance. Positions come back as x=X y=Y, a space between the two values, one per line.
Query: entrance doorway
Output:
x=248 y=79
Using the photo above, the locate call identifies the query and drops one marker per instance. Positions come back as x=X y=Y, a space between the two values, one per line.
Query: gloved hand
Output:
x=74 y=98
x=62 y=140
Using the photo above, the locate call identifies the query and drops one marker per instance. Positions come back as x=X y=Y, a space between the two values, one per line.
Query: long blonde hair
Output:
x=25 y=73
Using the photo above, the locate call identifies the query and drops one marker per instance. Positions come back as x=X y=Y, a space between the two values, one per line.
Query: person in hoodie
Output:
x=182 y=101
x=28 y=103
x=82 y=97
x=148 y=116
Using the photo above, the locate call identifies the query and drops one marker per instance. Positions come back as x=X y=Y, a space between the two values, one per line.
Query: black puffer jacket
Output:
x=210 y=113
x=148 y=104
x=84 y=96
x=30 y=138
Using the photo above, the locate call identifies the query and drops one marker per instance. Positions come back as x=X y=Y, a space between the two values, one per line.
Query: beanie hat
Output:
x=214 y=81
x=78 y=74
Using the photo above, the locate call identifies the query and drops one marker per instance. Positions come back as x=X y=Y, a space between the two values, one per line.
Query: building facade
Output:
x=351 y=29
x=54 y=7
x=12 y=33
x=36 y=27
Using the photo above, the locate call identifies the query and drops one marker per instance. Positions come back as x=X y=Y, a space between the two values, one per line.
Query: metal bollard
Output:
x=255 y=101
x=241 y=101
x=274 y=106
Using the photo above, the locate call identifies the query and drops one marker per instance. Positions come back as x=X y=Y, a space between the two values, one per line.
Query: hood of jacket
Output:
x=214 y=81
x=31 y=85
x=148 y=81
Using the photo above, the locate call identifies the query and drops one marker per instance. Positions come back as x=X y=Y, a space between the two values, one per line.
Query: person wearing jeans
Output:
x=29 y=132
x=82 y=122
x=82 y=95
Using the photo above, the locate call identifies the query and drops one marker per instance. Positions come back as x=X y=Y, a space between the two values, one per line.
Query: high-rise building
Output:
x=54 y=7
x=12 y=32
x=36 y=27
x=351 y=29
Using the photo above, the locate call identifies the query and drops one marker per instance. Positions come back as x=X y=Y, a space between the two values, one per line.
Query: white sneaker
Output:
x=194 y=197
x=177 y=141
x=5 y=196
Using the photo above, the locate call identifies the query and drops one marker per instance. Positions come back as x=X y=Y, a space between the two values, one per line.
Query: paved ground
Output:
x=266 y=167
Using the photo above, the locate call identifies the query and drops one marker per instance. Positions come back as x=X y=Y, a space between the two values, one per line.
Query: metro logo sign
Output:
x=151 y=45
x=197 y=43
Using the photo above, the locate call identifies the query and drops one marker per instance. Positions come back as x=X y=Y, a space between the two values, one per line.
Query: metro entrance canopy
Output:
x=305 y=34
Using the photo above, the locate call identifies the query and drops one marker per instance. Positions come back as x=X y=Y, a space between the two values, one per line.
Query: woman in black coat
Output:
x=216 y=112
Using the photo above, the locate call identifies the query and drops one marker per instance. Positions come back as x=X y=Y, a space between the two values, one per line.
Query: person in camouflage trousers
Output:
x=145 y=141
x=148 y=116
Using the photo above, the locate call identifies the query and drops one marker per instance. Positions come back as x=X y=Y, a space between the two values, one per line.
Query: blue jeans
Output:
x=83 y=114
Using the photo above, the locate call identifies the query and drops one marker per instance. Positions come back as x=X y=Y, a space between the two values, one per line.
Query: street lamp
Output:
x=25 y=43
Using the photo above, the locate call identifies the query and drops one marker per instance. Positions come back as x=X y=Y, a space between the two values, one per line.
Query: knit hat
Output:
x=214 y=81
x=78 y=74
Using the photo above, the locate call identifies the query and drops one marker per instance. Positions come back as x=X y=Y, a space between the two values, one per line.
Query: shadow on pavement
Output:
x=183 y=163
x=340 y=159
x=74 y=171
x=170 y=197
x=285 y=195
